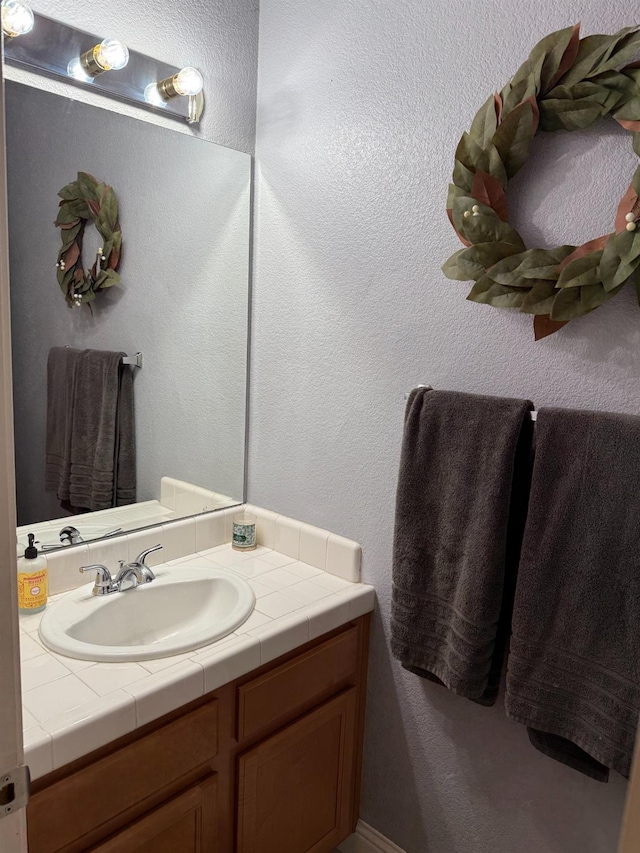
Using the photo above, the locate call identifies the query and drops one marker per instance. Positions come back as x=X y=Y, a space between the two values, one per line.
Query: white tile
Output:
x=106 y=677
x=203 y=500
x=281 y=636
x=64 y=568
x=313 y=546
x=168 y=492
x=158 y=664
x=288 y=536
x=276 y=560
x=56 y=698
x=42 y=669
x=331 y=582
x=79 y=732
x=30 y=622
x=277 y=604
x=303 y=571
x=209 y=531
x=179 y=539
x=108 y=552
x=251 y=568
x=279 y=578
x=184 y=498
x=306 y=592
x=228 y=520
x=226 y=556
x=326 y=615
x=29 y=648
x=38 y=752
x=265 y=525
x=254 y=621
x=166 y=690
x=259 y=589
x=343 y=558
x=140 y=540
x=72 y=664
x=28 y=719
x=362 y=599
x=231 y=661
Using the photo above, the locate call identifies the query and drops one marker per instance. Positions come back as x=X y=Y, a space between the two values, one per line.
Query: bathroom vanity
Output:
x=266 y=764
x=250 y=744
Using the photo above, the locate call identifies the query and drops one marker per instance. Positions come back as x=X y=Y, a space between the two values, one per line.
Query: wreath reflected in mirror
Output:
x=84 y=200
x=567 y=83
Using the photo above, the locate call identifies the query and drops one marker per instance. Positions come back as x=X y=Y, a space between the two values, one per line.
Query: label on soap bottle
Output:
x=32 y=590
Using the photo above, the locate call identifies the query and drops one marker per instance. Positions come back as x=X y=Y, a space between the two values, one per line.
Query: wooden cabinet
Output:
x=186 y=824
x=267 y=764
x=294 y=789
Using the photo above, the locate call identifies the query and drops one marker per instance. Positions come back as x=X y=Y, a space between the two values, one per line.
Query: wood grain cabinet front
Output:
x=295 y=789
x=185 y=824
x=269 y=763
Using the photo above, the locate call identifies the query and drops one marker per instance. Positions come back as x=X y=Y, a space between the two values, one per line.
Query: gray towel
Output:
x=61 y=375
x=103 y=469
x=461 y=502
x=574 y=664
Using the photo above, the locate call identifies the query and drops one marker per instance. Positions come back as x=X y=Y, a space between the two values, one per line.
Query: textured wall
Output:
x=360 y=106
x=184 y=212
x=220 y=37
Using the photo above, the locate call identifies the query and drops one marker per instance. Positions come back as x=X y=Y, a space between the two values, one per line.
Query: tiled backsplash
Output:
x=311 y=545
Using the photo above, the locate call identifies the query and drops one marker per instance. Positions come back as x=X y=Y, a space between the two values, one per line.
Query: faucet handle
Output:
x=142 y=556
x=104 y=582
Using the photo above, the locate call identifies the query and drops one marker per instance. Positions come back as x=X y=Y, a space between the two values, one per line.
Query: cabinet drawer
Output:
x=185 y=824
x=297 y=685
x=99 y=799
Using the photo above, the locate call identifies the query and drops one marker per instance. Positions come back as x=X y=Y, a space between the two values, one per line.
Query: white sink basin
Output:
x=181 y=610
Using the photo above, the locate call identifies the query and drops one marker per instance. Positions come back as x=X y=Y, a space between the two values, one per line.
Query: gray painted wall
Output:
x=360 y=106
x=184 y=212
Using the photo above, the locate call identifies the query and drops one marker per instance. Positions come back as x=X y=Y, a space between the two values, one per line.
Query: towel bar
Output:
x=135 y=360
x=533 y=415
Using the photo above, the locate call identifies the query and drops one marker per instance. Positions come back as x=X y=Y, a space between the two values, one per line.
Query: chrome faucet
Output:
x=129 y=576
x=70 y=535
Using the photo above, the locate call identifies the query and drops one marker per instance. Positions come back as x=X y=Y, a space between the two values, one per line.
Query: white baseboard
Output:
x=366 y=839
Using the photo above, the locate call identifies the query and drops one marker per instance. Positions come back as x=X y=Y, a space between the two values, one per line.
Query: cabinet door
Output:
x=185 y=824
x=296 y=788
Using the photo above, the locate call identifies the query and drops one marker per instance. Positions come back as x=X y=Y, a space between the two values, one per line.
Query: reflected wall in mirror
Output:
x=182 y=302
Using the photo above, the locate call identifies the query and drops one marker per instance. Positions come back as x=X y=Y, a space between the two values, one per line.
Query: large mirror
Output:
x=167 y=438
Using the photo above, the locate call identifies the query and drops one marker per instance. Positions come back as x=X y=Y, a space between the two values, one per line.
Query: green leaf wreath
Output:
x=565 y=84
x=82 y=200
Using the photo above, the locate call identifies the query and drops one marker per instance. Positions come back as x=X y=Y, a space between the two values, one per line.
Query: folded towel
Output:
x=461 y=503
x=103 y=469
x=61 y=375
x=574 y=664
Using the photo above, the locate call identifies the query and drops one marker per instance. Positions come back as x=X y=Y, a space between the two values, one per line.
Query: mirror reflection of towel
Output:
x=92 y=418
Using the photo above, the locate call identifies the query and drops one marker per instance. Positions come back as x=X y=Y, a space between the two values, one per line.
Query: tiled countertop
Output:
x=72 y=707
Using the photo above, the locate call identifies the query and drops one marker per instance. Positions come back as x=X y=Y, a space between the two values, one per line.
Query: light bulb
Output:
x=111 y=55
x=152 y=96
x=17 y=18
x=188 y=81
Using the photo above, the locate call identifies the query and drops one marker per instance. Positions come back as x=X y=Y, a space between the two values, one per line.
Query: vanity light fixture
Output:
x=17 y=18
x=47 y=49
x=188 y=82
x=109 y=55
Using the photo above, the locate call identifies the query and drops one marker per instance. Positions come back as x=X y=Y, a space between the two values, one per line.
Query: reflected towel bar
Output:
x=533 y=415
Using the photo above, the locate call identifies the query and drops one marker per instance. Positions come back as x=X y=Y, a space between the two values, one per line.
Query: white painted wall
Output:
x=360 y=106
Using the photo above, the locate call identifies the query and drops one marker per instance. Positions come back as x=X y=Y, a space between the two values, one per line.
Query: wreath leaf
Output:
x=566 y=83
x=83 y=200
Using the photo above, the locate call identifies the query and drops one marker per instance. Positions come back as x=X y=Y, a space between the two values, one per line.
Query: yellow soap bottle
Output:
x=32 y=580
